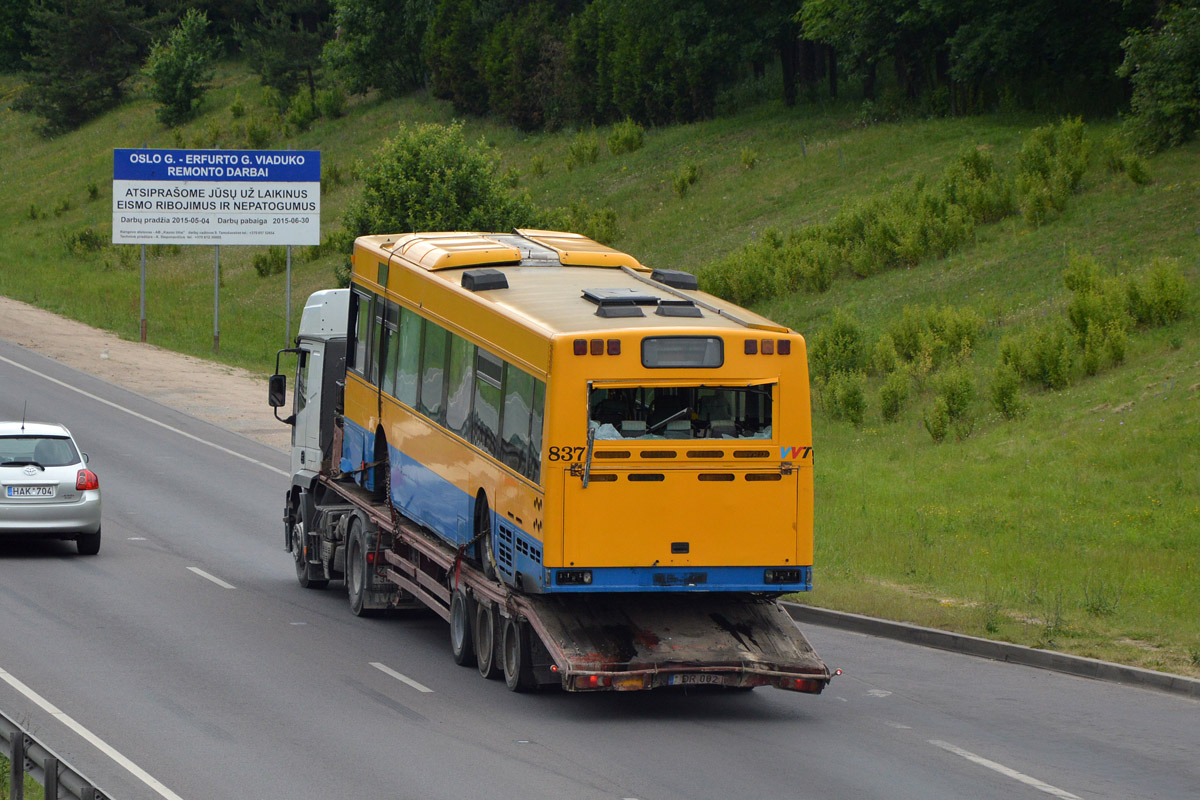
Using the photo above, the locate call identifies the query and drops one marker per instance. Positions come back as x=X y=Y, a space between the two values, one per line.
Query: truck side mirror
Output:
x=277 y=391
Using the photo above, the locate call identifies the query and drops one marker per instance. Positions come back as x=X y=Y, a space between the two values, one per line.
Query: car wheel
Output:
x=88 y=544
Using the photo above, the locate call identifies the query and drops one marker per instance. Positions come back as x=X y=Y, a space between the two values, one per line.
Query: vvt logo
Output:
x=791 y=453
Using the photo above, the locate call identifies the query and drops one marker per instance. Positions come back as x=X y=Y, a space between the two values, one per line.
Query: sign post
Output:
x=216 y=197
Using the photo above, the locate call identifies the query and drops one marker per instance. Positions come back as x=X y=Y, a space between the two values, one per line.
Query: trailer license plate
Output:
x=31 y=491
x=698 y=679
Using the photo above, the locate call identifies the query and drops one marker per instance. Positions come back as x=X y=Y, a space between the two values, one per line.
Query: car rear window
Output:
x=48 y=451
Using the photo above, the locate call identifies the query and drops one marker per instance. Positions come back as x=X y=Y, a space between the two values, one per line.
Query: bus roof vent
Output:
x=675 y=278
x=481 y=280
x=677 y=308
x=620 y=302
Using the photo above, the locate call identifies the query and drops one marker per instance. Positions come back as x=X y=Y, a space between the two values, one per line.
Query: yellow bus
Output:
x=576 y=421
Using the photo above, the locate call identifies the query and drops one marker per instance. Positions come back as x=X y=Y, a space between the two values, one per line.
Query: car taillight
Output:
x=85 y=479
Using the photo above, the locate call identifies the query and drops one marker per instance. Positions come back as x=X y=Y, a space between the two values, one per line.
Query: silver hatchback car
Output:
x=46 y=489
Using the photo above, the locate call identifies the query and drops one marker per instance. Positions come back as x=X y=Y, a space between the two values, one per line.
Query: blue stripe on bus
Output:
x=680 y=579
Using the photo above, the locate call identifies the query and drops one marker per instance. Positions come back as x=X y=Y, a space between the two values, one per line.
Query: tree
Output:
x=14 y=38
x=430 y=178
x=1164 y=66
x=283 y=44
x=377 y=44
x=180 y=67
x=80 y=54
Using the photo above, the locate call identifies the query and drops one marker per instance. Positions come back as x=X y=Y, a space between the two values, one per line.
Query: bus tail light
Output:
x=86 y=480
x=785 y=347
x=781 y=576
x=581 y=347
x=614 y=347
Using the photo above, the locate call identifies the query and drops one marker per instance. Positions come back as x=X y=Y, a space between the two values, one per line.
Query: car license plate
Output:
x=31 y=491
x=697 y=679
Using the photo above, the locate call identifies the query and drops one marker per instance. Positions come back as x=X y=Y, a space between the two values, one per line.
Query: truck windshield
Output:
x=681 y=412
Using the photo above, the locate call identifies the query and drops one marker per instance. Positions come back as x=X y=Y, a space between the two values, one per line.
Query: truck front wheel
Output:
x=303 y=568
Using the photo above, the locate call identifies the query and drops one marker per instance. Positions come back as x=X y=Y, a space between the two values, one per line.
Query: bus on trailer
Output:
x=575 y=422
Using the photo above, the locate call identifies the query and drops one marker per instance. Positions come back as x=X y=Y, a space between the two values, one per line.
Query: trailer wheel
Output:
x=518 y=661
x=303 y=568
x=485 y=641
x=462 y=644
x=357 y=570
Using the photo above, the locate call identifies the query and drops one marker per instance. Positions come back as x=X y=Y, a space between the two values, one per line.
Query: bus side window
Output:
x=409 y=367
x=360 y=320
x=536 y=420
x=518 y=404
x=433 y=372
x=376 y=344
x=389 y=349
x=485 y=417
x=460 y=384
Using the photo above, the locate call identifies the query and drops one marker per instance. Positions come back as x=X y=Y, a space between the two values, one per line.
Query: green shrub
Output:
x=1051 y=164
x=884 y=357
x=1097 y=304
x=259 y=132
x=684 y=177
x=85 y=241
x=626 y=137
x=63 y=207
x=749 y=158
x=937 y=419
x=580 y=216
x=844 y=396
x=1137 y=169
x=272 y=262
x=428 y=177
x=537 y=166
x=302 y=110
x=892 y=395
x=331 y=103
x=932 y=335
x=956 y=385
x=837 y=348
x=742 y=277
x=805 y=263
x=238 y=107
x=1159 y=297
x=1006 y=392
x=93 y=190
x=973 y=183
x=331 y=174
x=35 y=212
x=180 y=67
x=584 y=149
x=1042 y=355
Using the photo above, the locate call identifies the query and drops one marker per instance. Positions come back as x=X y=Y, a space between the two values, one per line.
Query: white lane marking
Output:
x=95 y=740
x=878 y=692
x=212 y=578
x=1003 y=770
x=386 y=670
x=143 y=417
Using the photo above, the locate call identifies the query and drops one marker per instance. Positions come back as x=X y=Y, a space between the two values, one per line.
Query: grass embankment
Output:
x=1076 y=526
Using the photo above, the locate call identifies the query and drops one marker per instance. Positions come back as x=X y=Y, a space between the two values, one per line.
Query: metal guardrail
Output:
x=30 y=757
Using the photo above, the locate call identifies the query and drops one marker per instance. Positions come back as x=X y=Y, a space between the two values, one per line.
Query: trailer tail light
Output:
x=592 y=682
x=86 y=480
x=810 y=685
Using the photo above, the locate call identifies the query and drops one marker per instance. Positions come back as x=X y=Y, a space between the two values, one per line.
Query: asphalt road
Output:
x=185 y=661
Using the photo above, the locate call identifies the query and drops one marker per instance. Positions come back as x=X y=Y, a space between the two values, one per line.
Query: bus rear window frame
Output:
x=718 y=365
